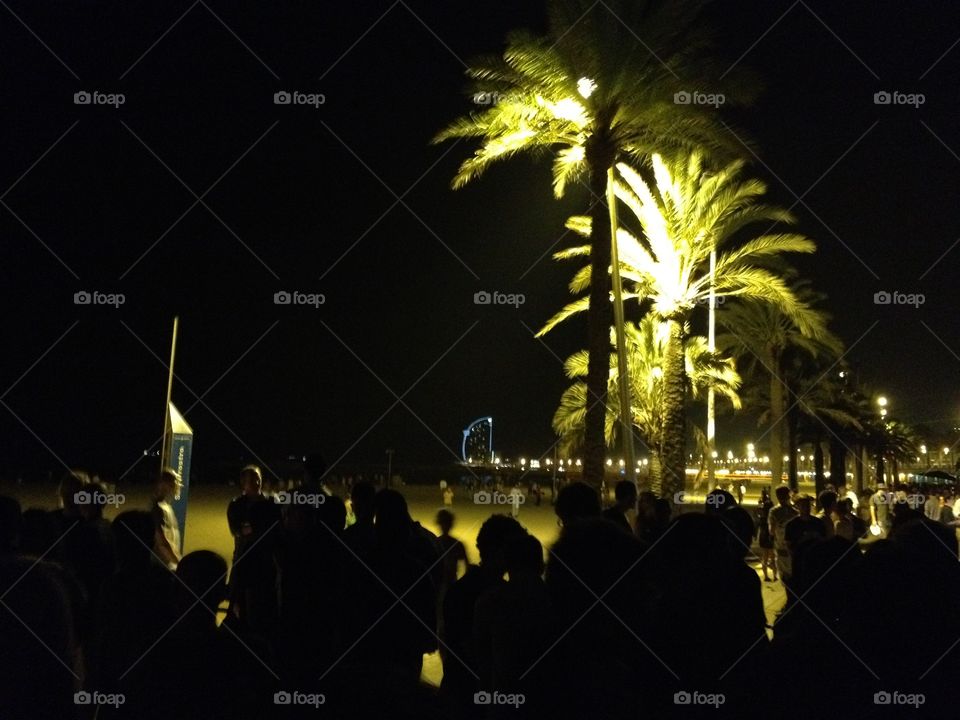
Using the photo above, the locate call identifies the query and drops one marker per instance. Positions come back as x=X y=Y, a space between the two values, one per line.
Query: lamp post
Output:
x=623 y=370
x=882 y=409
x=711 y=398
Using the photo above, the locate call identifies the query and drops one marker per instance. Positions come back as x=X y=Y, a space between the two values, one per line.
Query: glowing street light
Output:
x=586 y=86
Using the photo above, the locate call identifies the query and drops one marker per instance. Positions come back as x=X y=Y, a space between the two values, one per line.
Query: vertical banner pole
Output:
x=165 y=449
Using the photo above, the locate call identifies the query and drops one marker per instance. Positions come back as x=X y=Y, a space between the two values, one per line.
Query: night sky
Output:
x=201 y=197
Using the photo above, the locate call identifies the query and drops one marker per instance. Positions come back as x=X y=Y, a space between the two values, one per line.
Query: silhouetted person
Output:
x=625 y=496
x=513 y=622
x=136 y=607
x=764 y=538
x=718 y=500
x=741 y=528
x=801 y=529
x=828 y=506
x=596 y=642
x=577 y=501
x=698 y=561
x=39 y=655
x=89 y=552
x=453 y=551
x=461 y=677
x=361 y=536
x=218 y=673
x=778 y=518
x=253 y=520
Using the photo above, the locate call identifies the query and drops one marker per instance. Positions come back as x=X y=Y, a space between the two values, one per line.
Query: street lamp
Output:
x=882 y=404
x=623 y=370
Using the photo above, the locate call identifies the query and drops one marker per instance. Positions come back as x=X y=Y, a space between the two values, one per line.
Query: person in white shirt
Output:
x=931 y=508
x=844 y=492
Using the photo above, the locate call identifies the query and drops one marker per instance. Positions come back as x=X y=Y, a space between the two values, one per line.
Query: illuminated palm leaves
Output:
x=646 y=346
x=683 y=216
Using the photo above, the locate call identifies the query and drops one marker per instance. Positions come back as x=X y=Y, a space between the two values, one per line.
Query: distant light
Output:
x=749 y=447
x=946 y=451
x=883 y=412
x=578 y=462
x=621 y=462
x=609 y=462
x=713 y=454
x=882 y=401
x=923 y=449
x=729 y=454
x=523 y=461
x=586 y=86
x=843 y=374
x=657 y=372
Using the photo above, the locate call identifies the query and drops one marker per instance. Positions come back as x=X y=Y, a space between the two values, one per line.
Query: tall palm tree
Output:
x=823 y=414
x=765 y=339
x=646 y=350
x=685 y=215
x=602 y=86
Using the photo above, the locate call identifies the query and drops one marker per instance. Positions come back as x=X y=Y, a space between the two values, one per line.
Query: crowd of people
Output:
x=330 y=605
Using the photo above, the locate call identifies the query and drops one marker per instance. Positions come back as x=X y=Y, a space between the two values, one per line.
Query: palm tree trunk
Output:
x=838 y=462
x=792 y=474
x=655 y=479
x=859 y=465
x=673 y=442
x=599 y=319
x=820 y=479
x=880 y=468
x=776 y=417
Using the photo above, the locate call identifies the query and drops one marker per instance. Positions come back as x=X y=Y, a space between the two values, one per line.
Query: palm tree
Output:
x=600 y=87
x=686 y=215
x=893 y=441
x=823 y=413
x=646 y=348
x=766 y=339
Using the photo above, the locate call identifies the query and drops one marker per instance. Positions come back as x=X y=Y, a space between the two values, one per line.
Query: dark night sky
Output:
x=302 y=198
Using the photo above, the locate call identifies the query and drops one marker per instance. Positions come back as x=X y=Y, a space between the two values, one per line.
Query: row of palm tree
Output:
x=597 y=93
x=598 y=89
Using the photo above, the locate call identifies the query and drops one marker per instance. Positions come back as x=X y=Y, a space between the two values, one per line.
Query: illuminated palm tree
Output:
x=646 y=349
x=685 y=215
x=766 y=340
x=606 y=84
